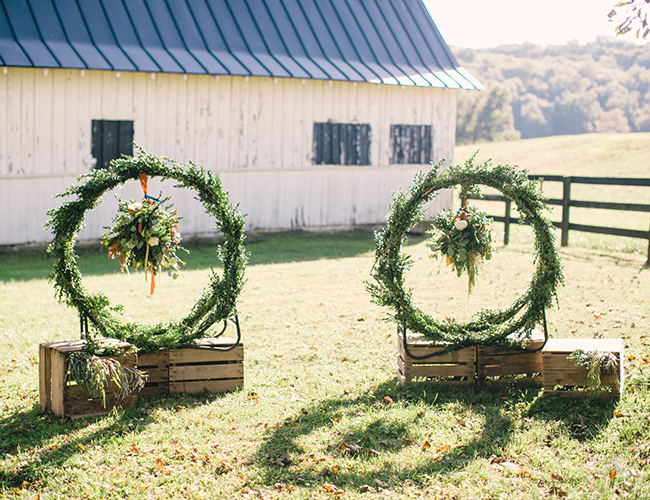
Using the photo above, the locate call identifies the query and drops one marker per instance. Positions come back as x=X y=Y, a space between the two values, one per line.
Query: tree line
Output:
x=534 y=91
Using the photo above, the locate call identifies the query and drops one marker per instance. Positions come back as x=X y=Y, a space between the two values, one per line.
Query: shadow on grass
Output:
x=282 y=457
x=271 y=248
x=37 y=432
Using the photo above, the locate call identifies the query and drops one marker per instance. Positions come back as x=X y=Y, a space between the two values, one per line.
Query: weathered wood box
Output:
x=200 y=368
x=511 y=365
x=457 y=367
x=65 y=398
x=562 y=377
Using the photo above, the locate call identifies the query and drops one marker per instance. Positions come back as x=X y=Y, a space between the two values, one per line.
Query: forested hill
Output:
x=534 y=91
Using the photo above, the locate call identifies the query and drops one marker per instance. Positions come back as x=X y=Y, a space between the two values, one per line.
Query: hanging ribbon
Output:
x=143 y=184
x=153 y=281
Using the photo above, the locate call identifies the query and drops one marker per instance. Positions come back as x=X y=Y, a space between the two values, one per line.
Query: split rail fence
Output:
x=566 y=203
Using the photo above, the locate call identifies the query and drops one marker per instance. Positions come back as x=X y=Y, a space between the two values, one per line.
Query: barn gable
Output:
x=312 y=111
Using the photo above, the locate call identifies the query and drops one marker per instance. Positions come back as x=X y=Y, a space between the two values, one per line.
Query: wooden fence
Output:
x=566 y=203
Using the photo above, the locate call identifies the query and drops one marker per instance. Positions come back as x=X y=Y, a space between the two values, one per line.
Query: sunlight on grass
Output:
x=321 y=411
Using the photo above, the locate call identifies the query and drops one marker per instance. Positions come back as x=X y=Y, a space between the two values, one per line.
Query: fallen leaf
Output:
x=612 y=474
x=407 y=442
x=426 y=445
x=380 y=483
x=330 y=488
x=388 y=399
x=557 y=476
x=373 y=452
x=443 y=448
x=223 y=467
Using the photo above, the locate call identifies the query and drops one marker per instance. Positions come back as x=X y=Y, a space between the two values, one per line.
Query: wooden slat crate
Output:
x=558 y=370
x=457 y=367
x=194 y=369
x=65 y=399
x=493 y=362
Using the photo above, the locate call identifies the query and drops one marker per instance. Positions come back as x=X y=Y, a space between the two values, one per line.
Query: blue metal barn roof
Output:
x=389 y=41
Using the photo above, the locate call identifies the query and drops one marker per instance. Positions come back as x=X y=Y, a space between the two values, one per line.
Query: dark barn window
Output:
x=410 y=143
x=110 y=140
x=341 y=144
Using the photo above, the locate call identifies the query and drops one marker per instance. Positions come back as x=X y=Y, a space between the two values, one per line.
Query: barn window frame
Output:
x=342 y=143
x=110 y=139
x=411 y=144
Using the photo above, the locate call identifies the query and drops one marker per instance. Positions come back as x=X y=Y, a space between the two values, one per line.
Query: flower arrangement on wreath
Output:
x=146 y=234
x=464 y=239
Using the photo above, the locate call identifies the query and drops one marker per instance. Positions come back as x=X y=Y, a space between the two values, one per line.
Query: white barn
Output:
x=311 y=111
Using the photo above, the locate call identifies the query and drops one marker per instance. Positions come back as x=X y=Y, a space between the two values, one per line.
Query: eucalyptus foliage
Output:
x=92 y=373
x=595 y=362
x=218 y=300
x=511 y=326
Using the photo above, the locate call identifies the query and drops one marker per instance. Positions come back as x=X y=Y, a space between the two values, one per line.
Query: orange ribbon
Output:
x=153 y=281
x=143 y=183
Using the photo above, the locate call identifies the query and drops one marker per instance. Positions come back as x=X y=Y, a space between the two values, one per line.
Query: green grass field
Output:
x=320 y=373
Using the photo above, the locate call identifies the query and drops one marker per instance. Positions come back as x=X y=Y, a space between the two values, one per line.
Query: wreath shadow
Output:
x=281 y=457
x=34 y=429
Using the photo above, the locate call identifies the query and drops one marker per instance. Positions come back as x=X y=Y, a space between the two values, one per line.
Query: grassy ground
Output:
x=320 y=373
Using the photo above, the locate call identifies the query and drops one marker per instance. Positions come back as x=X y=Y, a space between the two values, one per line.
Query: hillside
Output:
x=533 y=91
x=597 y=155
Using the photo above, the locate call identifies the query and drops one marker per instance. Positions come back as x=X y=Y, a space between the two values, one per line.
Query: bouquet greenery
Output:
x=145 y=234
x=464 y=238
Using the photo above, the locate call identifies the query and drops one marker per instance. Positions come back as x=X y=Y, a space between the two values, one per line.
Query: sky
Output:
x=489 y=23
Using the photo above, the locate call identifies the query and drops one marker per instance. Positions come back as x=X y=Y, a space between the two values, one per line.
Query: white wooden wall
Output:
x=257 y=132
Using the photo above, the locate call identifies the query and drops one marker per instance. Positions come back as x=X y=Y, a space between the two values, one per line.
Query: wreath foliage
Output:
x=218 y=300
x=511 y=326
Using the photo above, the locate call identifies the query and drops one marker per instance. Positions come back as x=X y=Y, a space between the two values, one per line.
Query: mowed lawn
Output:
x=320 y=376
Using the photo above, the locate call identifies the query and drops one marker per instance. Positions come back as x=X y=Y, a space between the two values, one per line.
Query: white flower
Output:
x=460 y=224
x=153 y=241
x=136 y=206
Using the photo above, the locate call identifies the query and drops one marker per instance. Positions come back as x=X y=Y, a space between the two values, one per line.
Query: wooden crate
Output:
x=558 y=370
x=66 y=399
x=194 y=369
x=512 y=364
x=457 y=367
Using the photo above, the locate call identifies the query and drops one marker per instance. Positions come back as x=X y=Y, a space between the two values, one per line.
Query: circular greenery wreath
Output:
x=219 y=299
x=511 y=326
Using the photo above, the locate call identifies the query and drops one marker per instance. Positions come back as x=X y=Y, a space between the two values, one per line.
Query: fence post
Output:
x=566 y=203
x=648 y=260
x=506 y=223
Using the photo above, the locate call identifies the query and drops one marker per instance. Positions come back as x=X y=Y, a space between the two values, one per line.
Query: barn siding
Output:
x=257 y=132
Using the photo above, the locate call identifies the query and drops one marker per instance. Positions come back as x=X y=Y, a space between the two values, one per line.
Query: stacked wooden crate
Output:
x=456 y=367
x=495 y=364
x=563 y=377
x=64 y=398
x=207 y=366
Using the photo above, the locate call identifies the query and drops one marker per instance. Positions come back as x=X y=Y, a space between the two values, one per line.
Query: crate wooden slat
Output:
x=455 y=367
x=559 y=370
x=156 y=367
x=65 y=399
x=493 y=362
x=195 y=368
